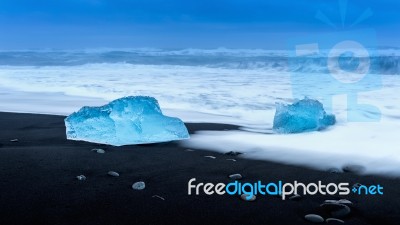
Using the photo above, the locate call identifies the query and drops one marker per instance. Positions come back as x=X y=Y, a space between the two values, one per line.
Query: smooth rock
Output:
x=345 y=202
x=113 y=173
x=334 y=220
x=14 y=140
x=245 y=197
x=334 y=170
x=233 y=153
x=99 y=150
x=236 y=176
x=353 y=169
x=341 y=201
x=341 y=212
x=210 y=156
x=314 y=218
x=331 y=201
x=234 y=160
x=337 y=210
x=81 y=177
x=159 y=197
x=139 y=185
x=295 y=197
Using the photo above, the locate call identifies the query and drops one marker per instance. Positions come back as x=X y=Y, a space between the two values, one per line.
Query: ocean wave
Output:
x=384 y=61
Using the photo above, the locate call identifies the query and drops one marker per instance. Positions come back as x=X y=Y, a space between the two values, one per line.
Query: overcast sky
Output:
x=184 y=23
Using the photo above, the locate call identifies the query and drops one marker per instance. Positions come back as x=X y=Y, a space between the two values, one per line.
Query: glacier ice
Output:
x=303 y=115
x=124 y=121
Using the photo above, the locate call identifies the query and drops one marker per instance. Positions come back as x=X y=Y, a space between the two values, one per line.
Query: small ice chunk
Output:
x=301 y=116
x=124 y=121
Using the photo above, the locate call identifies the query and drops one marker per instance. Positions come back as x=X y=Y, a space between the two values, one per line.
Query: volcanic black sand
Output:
x=38 y=183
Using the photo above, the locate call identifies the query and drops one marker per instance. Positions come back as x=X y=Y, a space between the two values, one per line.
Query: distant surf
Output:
x=384 y=60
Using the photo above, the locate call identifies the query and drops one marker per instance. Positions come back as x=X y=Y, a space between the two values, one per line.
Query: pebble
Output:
x=99 y=150
x=81 y=177
x=157 y=196
x=334 y=170
x=113 y=173
x=345 y=201
x=353 y=169
x=244 y=197
x=139 y=185
x=337 y=210
x=295 y=197
x=236 y=176
x=189 y=150
x=341 y=212
x=314 y=218
x=14 y=140
x=334 y=220
x=331 y=201
x=211 y=157
x=341 y=201
x=233 y=153
x=234 y=160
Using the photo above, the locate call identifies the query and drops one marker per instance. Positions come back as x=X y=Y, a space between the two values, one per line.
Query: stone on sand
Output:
x=81 y=177
x=99 y=150
x=236 y=176
x=140 y=185
x=334 y=220
x=314 y=218
x=233 y=153
x=245 y=197
x=113 y=173
x=295 y=197
x=337 y=210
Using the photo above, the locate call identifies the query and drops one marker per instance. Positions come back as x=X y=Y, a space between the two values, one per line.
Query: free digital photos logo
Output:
x=280 y=188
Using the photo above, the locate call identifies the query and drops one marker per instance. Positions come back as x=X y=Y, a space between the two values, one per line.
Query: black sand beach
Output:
x=38 y=183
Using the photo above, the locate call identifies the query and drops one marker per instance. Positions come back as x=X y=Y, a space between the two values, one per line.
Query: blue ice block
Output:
x=125 y=121
x=301 y=116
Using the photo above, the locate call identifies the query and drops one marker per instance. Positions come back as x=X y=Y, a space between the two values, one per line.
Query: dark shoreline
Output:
x=38 y=184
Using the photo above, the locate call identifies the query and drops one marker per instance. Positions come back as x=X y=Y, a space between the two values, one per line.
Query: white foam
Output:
x=207 y=90
x=204 y=94
x=372 y=145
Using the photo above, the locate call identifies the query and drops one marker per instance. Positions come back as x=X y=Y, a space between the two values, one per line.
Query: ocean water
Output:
x=236 y=86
